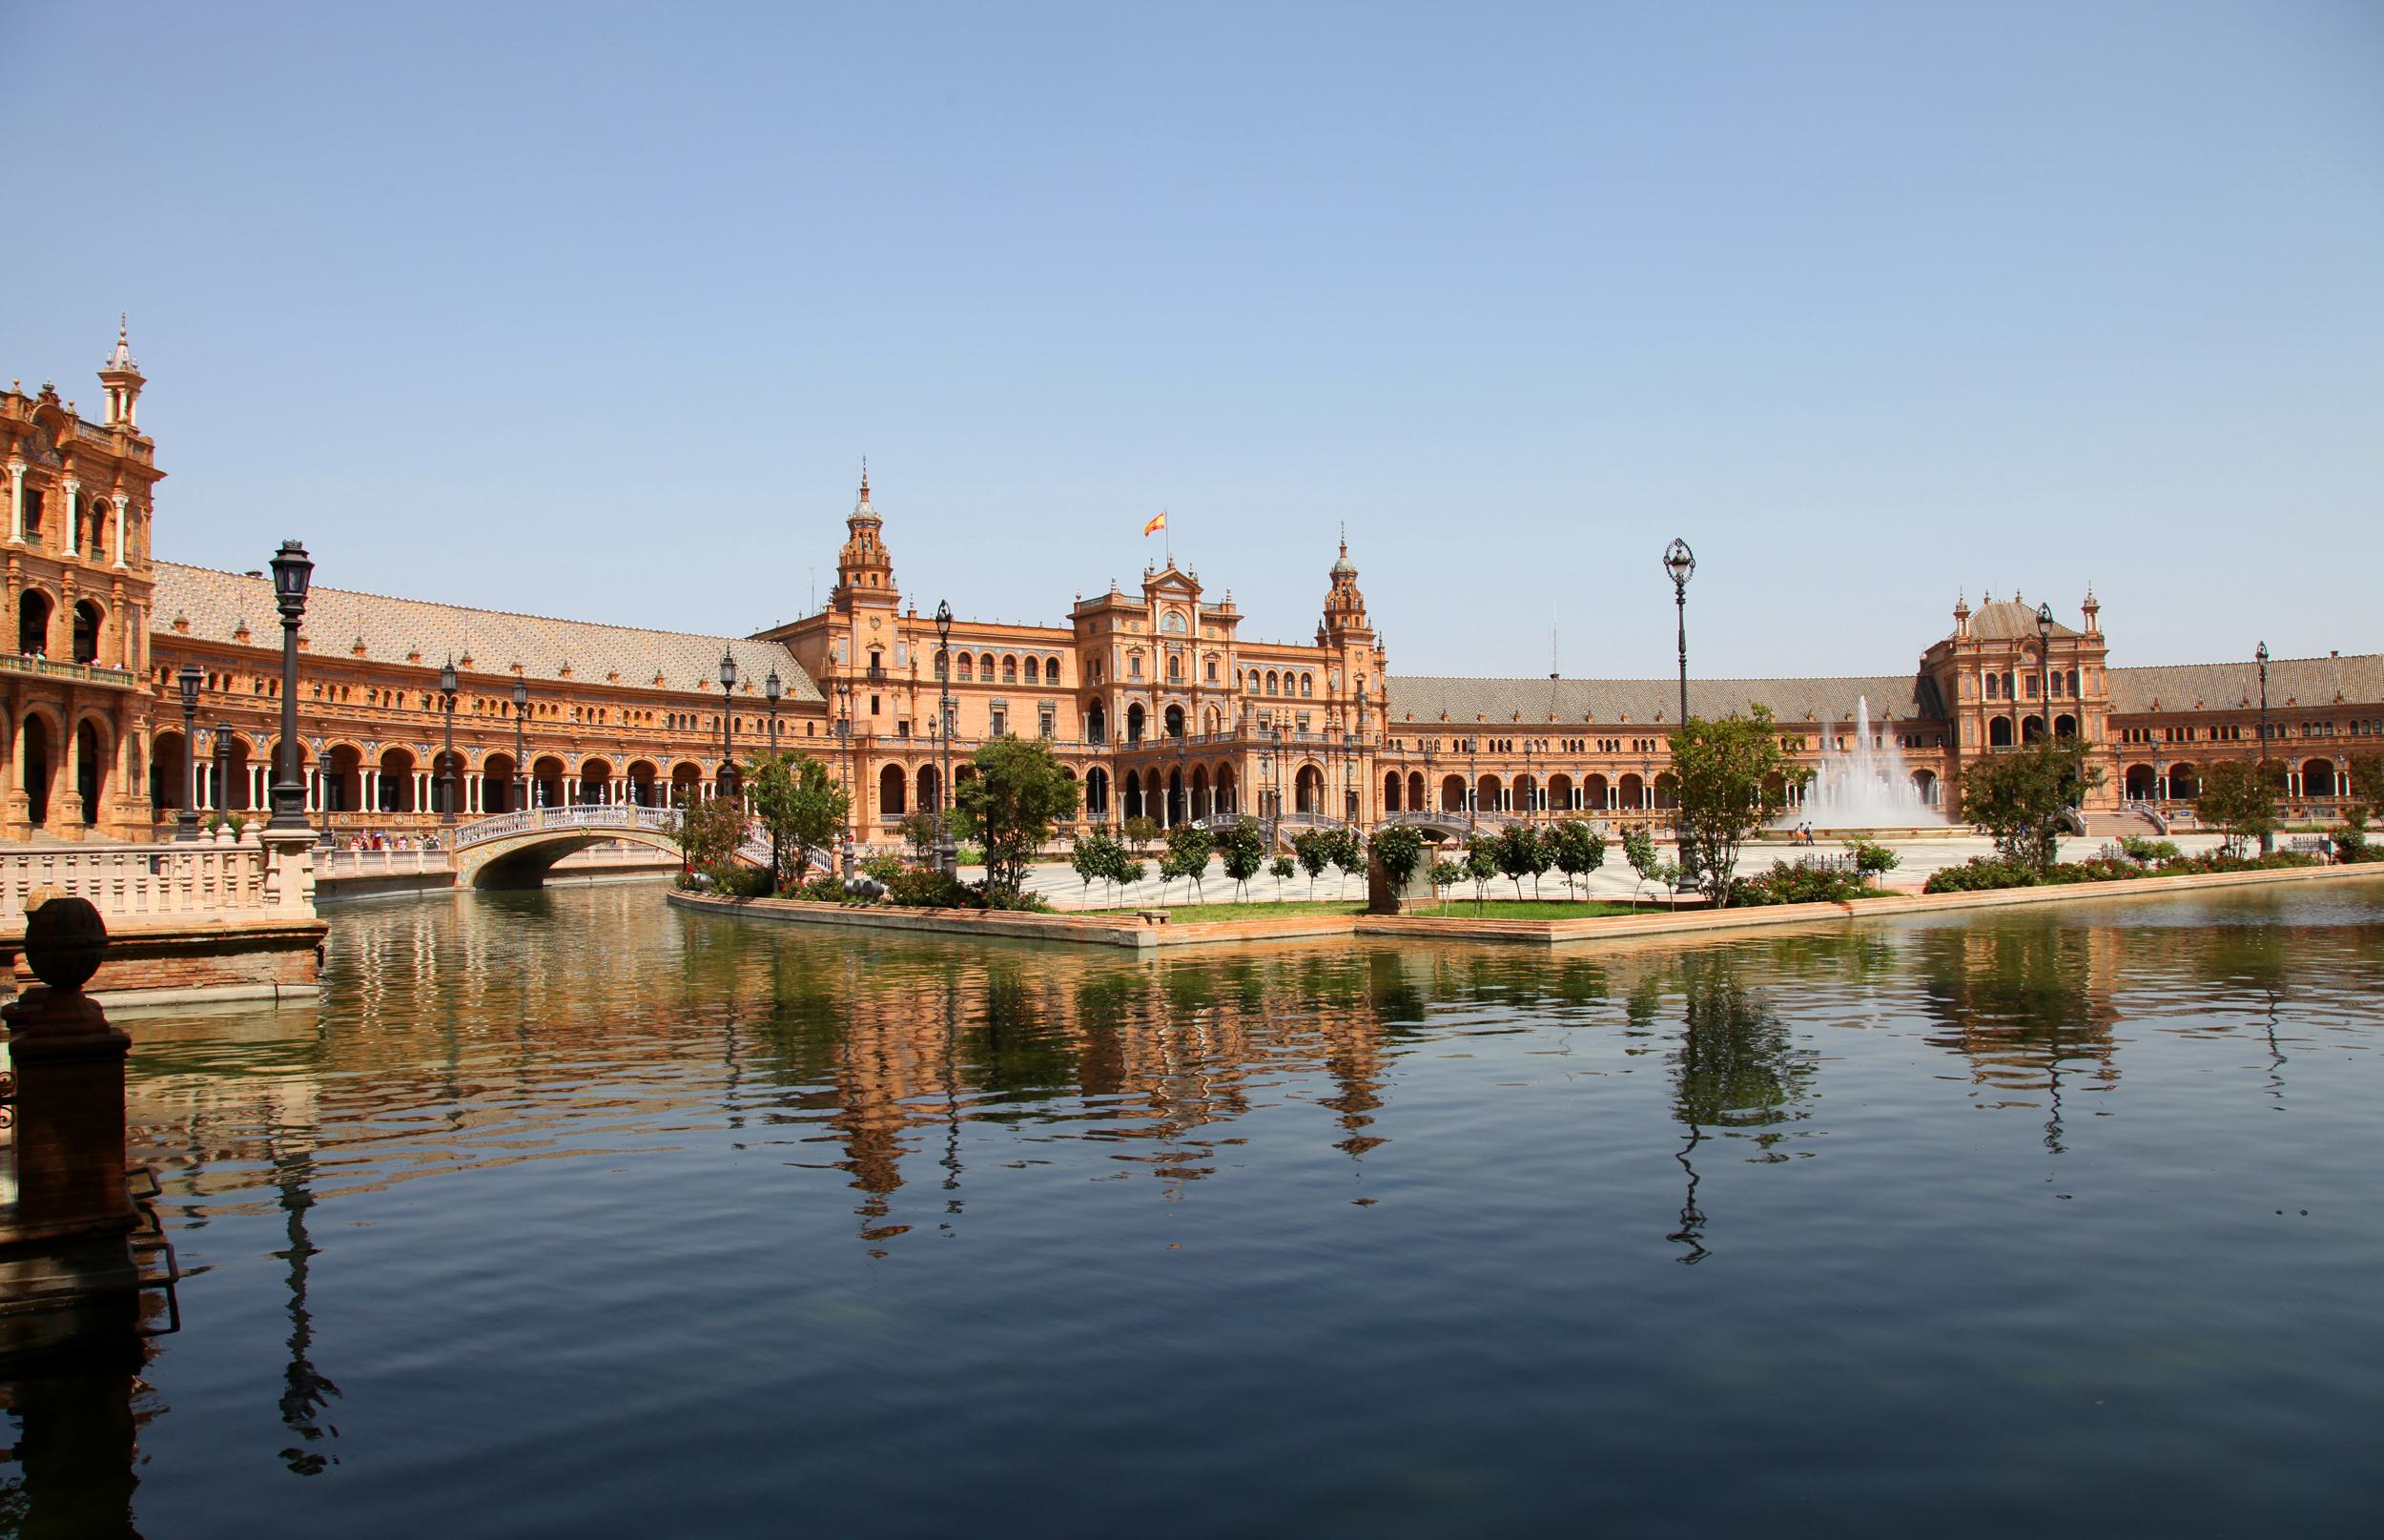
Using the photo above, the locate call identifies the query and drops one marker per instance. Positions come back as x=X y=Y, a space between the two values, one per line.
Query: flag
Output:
x=1159 y=522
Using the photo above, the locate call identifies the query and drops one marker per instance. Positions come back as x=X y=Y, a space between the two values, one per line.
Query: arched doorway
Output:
x=686 y=783
x=1392 y=787
x=1490 y=796
x=2317 y=778
x=88 y=619
x=91 y=768
x=234 y=794
x=2065 y=726
x=1924 y=786
x=32 y=623
x=1203 y=806
x=1560 y=793
x=892 y=785
x=1096 y=792
x=1667 y=791
x=1633 y=792
x=595 y=781
x=1596 y=793
x=1095 y=723
x=930 y=783
x=1526 y=795
x=1228 y=799
x=1308 y=789
x=2185 y=783
x=496 y=782
x=1415 y=790
x=2032 y=729
x=1175 y=798
x=394 y=790
x=1452 y=793
x=642 y=773
x=343 y=779
x=168 y=778
x=1132 y=806
x=2142 y=784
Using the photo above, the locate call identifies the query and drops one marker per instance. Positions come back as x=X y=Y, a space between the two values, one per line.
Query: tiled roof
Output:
x=2225 y=686
x=217 y=603
x=1609 y=701
x=2009 y=620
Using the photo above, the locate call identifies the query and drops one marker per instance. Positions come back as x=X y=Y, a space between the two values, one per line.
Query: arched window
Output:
x=1272 y=682
x=32 y=623
x=1174 y=669
x=86 y=620
x=968 y=666
x=1010 y=670
x=986 y=664
x=1034 y=671
x=1307 y=684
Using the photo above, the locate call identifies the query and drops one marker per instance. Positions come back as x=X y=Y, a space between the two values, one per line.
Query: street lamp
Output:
x=947 y=856
x=1680 y=564
x=844 y=740
x=2268 y=840
x=447 y=684
x=728 y=724
x=188 y=679
x=223 y=764
x=521 y=770
x=290 y=571
x=2045 y=664
x=772 y=688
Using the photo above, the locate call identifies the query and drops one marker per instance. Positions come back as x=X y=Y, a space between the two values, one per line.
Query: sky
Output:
x=594 y=309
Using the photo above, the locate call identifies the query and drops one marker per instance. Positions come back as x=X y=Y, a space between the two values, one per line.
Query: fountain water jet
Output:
x=1866 y=787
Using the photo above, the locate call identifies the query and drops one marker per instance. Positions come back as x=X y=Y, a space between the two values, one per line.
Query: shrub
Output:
x=1981 y=873
x=1871 y=859
x=1446 y=874
x=2150 y=851
x=1022 y=903
x=884 y=868
x=1401 y=851
x=732 y=879
x=822 y=890
x=930 y=890
x=1797 y=883
x=1281 y=868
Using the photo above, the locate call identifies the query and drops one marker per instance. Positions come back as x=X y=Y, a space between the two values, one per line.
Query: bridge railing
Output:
x=597 y=816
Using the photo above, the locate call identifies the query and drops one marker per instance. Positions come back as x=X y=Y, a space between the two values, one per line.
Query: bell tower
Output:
x=864 y=569
x=122 y=380
x=1344 y=607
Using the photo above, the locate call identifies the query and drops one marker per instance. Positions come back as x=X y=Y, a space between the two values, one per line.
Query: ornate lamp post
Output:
x=223 y=764
x=447 y=685
x=728 y=724
x=947 y=854
x=2045 y=663
x=290 y=571
x=2267 y=841
x=774 y=688
x=1680 y=564
x=186 y=824
x=844 y=740
x=1267 y=778
x=521 y=767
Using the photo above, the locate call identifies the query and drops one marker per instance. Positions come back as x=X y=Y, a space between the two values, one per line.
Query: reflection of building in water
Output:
x=2030 y=1006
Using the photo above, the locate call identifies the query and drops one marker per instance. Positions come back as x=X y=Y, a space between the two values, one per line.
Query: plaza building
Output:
x=1156 y=700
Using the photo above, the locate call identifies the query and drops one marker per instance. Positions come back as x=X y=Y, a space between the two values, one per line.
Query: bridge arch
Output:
x=516 y=849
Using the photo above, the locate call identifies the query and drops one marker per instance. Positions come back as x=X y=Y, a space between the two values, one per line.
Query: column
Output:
x=69 y=496
x=120 y=500
x=471 y=793
x=16 y=502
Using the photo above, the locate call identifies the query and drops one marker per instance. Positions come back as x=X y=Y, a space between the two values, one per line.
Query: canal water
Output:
x=565 y=1213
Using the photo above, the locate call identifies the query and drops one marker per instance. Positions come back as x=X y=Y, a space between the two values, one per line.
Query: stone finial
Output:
x=65 y=939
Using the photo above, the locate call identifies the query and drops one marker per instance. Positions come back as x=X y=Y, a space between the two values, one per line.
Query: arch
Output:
x=930 y=782
x=546 y=782
x=985 y=666
x=1415 y=792
x=232 y=787
x=1095 y=723
x=1924 y=787
x=89 y=621
x=1490 y=794
x=1228 y=791
x=1307 y=684
x=595 y=781
x=1273 y=685
x=393 y=784
x=33 y=610
x=1452 y=793
x=1051 y=670
x=1211 y=723
x=1561 y=793
x=1009 y=667
x=2065 y=726
x=1308 y=789
x=1597 y=793
x=1175 y=667
x=2317 y=778
x=1133 y=723
x=967 y=671
x=892 y=787
x=1132 y=805
x=497 y=772
x=1202 y=806
x=35 y=763
x=643 y=773
x=1999 y=732
x=2185 y=783
x=1632 y=791
x=1526 y=795
x=91 y=768
x=686 y=780
x=2032 y=729
x=1096 y=792
x=1173 y=721
x=1392 y=784
x=2142 y=783
x=1667 y=790
x=343 y=779
x=1175 y=798
x=1034 y=667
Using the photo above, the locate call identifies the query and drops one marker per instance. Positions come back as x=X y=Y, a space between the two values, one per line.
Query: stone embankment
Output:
x=1148 y=936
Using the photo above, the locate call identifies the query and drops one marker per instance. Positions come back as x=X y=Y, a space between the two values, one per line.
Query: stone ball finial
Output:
x=64 y=940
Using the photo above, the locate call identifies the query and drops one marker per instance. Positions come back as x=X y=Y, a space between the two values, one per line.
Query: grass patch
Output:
x=1255 y=910
x=1509 y=909
x=1531 y=909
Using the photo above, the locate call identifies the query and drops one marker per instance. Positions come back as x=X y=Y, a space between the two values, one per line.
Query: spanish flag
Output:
x=1159 y=522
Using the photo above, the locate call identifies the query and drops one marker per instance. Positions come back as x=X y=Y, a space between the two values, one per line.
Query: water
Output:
x=565 y=1214
x=1865 y=786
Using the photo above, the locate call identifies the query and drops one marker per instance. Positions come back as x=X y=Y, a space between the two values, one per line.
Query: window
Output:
x=1009 y=673
x=1001 y=719
x=1134 y=665
x=1034 y=670
x=1045 y=720
x=872 y=705
x=1212 y=671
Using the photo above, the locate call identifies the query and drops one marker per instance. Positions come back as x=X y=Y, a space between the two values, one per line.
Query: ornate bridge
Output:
x=514 y=850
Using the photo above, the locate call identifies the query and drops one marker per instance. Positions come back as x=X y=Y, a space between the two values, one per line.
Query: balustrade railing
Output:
x=218 y=878
x=585 y=816
x=90 y=673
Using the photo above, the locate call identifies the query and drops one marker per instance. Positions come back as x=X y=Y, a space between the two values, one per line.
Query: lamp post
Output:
x=844 y=740
x=521 y=767
x=1680 y=564
x=728 y=724
x=2045 y=664
x=186 y=825
x=947 y=855
x=774 y=688
x=2268 y=840
x=223 y=764
x=290 y=571
x=447 y=685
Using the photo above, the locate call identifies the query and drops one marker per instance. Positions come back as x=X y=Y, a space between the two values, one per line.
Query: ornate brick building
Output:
x=1155 y=698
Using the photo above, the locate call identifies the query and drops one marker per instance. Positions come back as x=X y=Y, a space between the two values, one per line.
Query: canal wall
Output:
x=1140 y=935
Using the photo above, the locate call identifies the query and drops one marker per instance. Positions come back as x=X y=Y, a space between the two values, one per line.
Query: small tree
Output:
x=918 y=830
x=801 y=808
x=1734 y=778
x=1638 y=848
x=1446 y=875
x=1243 y=848
x=1523 y=850
x=707 y=831
x=1140 y=832
x=1280 y=867
x=2365 y=794
x=1018 y=796
x=1871 y=859
x=1096 y=858
x=1348 y=851
x=1577 y=848
x=1128 y=870
x=2020 y=797
x=1189 y=846
x=1400 y=849
x=1481 y=864
x=1313 y=850
x=2240 y=798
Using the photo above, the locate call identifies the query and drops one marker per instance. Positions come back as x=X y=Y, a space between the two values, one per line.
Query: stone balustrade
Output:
x=217 y=878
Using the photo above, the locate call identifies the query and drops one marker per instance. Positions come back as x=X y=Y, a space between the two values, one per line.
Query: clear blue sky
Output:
x=592 y=310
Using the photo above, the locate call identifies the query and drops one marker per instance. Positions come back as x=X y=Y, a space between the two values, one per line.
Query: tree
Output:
x=2365 y=794
x=801 y=806
x=707 y=830
x=1481 y=864
x=1140 y=832
x=1524 y=851
x=1096 y=858
x=1446 y=875
x=1577 y=848
x=1638 y=848
x=918 y=829
x=1189 y=846
x=1313 y=850
x=1012 y=804
x=1400 y=849
x=1348 y=851
x=1281 y=868
x=1243 y=848
x=1733 y=779
x=2020 y=797
x=2240 y=797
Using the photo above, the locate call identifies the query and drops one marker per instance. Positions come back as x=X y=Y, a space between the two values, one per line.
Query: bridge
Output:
x=515 y=850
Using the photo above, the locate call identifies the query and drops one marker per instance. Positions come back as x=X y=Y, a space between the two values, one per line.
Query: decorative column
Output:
x=16 y=502
x=69 y=510
x=120 y=500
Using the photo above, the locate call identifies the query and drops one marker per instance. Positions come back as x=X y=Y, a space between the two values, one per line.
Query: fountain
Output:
x=1864 y=787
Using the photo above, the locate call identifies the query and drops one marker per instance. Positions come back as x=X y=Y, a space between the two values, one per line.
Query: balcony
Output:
x=82 y=673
